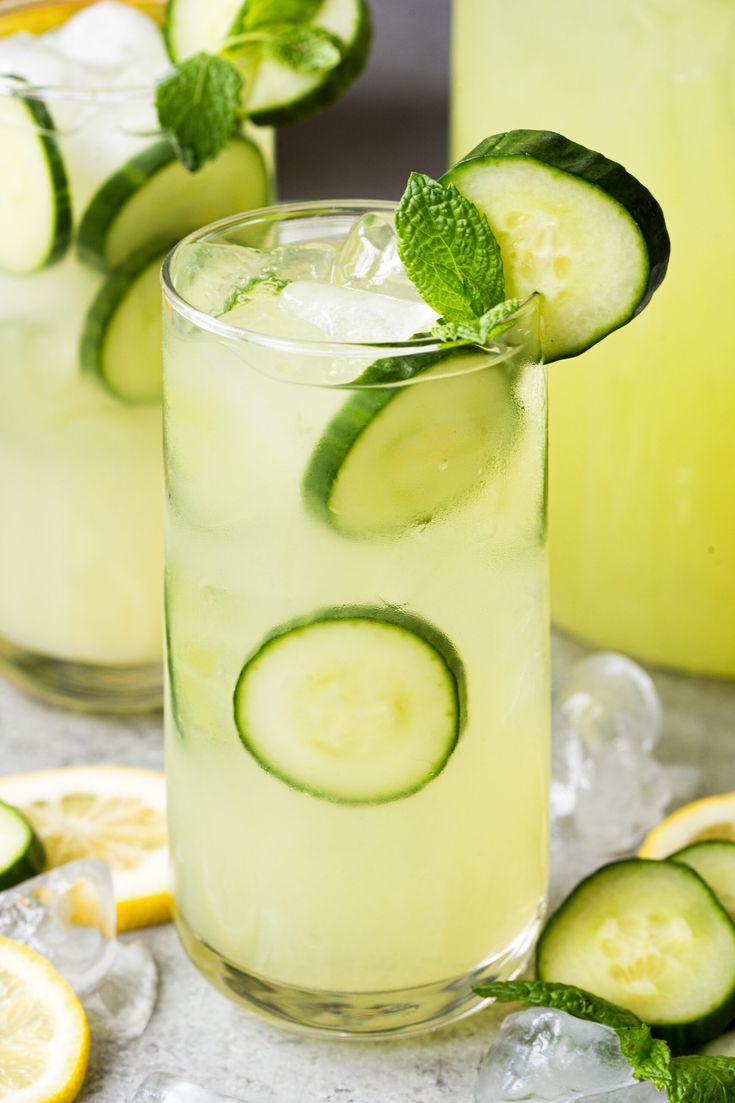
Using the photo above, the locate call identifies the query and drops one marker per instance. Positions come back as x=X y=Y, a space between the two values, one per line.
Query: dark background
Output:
x=393 y=120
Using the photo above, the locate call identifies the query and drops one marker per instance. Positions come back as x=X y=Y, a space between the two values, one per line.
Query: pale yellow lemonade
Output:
x=371 y=915
x=81 y=549
x=642 y=449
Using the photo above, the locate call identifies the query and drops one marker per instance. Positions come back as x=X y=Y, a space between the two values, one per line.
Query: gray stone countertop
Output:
x=198 y=1034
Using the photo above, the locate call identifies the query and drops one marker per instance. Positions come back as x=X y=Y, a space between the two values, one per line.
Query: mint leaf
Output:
x=305 y=49
x=259 y=12
x=199 y=108
x=702 y=1080
x=650 y=1058
x=479 y=331
x=448 y=250
x=242 y=292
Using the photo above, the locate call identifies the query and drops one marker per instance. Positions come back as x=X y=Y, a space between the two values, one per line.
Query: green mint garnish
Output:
x=450 y=254
x=696 y=1079
x=479 y=331
x=199 y=108
x=304 y=49
x=242 y=292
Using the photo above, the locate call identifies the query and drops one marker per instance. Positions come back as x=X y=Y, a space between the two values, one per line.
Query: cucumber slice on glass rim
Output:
x=571 y=224
x=152 y=201
x=35 y=205
x=280 y=95
x=21 y=851
x=650 y=936
x=276 y=94
x=121 y=339
x=356 y=705
x=398 y=457
x=193 y=26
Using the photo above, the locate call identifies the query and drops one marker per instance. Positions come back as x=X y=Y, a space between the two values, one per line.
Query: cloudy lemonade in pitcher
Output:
x=642 y=525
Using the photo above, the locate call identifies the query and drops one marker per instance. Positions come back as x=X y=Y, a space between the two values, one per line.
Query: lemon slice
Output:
x=114 y=813
x=700 y=821
x=44 y=1037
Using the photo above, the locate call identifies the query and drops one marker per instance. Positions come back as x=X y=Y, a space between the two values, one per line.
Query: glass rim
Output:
x=16 y=87
x=335 y=349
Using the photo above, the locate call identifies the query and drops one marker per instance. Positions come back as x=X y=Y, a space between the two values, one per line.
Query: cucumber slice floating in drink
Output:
x=121 y=340
x=571 y=224
x=153 y=200
x=652 y=937
x=21 y=851
x=35 y=208
x=398 y=457
x=355 y=705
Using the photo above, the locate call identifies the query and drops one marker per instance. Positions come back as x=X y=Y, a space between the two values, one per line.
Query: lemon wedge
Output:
x=44 y=1037
x=114 y=813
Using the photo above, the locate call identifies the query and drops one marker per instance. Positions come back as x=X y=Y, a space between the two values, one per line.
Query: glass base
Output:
x=357 y=1014
x=87 y=687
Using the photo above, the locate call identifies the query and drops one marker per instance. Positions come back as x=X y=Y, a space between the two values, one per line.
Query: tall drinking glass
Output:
x=642 y=524
x=357 y=715
x=91 y=197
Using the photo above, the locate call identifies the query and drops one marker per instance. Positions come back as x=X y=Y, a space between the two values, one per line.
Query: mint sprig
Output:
x=202 y=103
x=304 y=49
x=199 y=108
x=689 y=1079
x=451 y=256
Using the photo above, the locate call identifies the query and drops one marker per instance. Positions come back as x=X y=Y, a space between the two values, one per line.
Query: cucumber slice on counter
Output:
x=153 y=201
x=193 y=26
x=35 y=207
x=121 y=339
x=355 y=705
x=280 y=95
x=393 y=458
x=652 y=937
x=21 y=852
x=714 y=861
x=571 y=224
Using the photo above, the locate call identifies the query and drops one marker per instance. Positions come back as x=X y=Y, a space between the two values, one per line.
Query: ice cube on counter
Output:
x=69 y=916
x=607 y=787
x=345 y=314
x=544 y=1054
x=162 y=1087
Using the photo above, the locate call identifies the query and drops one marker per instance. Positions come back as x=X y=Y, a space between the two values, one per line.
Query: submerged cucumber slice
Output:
x=35 y=207
x=279 y=95
x=355 y=705
x=121 y=339
x=714 y=861
x=571 y=224
x=651 y=936
x=152 y=201
x=397 y=457
x=21 y=852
